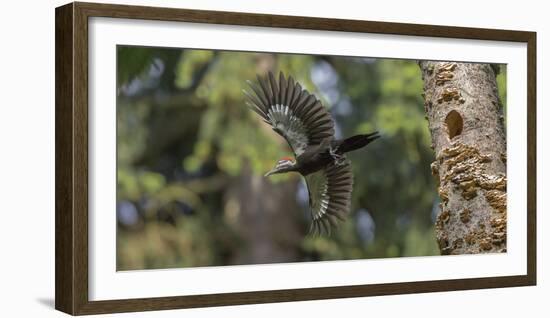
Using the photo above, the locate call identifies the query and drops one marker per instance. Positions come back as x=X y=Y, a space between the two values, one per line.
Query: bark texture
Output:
x=468 y=136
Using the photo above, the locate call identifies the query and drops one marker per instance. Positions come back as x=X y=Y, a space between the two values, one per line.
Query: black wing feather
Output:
x=329 y=196
x=293 y=112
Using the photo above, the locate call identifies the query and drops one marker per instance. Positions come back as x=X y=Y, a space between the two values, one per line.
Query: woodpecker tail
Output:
x=357 y=142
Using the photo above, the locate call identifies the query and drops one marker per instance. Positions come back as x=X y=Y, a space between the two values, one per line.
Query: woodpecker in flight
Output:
x=308 y=128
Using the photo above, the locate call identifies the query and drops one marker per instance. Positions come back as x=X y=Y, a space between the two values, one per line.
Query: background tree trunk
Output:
x=468 y=136
x=265 y=216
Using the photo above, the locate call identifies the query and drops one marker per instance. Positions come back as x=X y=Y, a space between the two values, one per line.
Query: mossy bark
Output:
x=468 y=137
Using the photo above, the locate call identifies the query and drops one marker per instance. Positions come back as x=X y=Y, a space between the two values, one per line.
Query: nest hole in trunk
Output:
x=454 y=124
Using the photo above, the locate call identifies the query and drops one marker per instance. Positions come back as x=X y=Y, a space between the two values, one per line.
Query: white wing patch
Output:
x=318 y=196
x=329 y=196
x=291 y=127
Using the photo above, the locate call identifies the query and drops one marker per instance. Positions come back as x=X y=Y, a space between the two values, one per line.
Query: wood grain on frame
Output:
x=71 y=124
x=64 y=236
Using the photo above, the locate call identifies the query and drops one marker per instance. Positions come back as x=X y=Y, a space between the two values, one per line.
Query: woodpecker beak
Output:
x=270 y=173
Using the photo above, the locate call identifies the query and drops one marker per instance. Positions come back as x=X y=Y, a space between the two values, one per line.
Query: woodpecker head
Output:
x=285 y=164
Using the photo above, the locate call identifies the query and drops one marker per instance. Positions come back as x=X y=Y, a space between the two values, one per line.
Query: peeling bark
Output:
x=468 y=137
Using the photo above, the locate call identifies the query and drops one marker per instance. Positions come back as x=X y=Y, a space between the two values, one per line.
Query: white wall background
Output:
x=27 y=159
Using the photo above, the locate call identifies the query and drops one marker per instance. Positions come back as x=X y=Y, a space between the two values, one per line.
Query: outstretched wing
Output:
x=329 y=196
x=293 y=112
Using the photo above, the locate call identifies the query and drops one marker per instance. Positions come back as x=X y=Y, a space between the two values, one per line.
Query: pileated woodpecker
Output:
x=308 y=128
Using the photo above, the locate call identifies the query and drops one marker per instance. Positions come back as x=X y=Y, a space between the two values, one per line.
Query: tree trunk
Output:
x=266 y=217
x=468 y=136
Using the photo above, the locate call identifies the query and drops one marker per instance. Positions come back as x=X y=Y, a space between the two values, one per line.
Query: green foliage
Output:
x=132 y=62
x=189 y=64
x=161 y=245
x=188 y=148
x=501 y=83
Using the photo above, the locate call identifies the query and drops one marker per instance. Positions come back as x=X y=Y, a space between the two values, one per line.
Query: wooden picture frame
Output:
x=71 y=221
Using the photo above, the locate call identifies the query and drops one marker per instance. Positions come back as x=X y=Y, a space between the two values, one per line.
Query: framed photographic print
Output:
x=219 y=158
